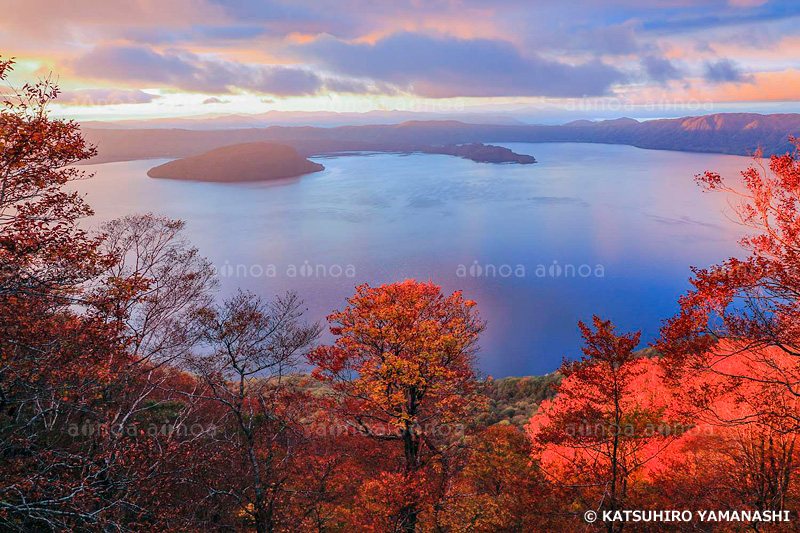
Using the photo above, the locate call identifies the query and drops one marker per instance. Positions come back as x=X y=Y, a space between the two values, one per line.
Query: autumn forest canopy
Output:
x=134 y=398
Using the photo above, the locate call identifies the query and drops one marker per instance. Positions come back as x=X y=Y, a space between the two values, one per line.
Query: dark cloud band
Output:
x=447 y=67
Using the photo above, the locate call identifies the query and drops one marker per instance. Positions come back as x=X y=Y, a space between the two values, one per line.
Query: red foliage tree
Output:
x=742 y=449
x=76 y=399
x=753 y=301
x=734 y=347
x=596 y=440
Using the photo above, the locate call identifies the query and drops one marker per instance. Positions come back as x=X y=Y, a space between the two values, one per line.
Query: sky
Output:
x=147 y=58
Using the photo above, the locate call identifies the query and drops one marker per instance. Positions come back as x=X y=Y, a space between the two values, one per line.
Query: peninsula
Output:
x=480 y=153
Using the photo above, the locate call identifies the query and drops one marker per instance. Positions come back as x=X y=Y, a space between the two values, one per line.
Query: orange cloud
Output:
x=774 y=86
x=766 y=86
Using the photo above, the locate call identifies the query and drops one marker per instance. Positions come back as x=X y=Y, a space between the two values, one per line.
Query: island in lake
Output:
x=255 y=161
x=480 y=153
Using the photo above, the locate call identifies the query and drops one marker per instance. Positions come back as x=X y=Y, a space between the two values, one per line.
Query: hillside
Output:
x=514 y=400
x=257 y=161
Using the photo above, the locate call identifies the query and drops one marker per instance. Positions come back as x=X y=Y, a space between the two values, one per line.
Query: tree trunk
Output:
x=408 y=514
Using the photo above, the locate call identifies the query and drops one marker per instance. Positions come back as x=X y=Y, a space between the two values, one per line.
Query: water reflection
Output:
x=637 y=213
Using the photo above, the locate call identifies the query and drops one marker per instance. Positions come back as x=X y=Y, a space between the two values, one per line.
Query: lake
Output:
x=590 y=229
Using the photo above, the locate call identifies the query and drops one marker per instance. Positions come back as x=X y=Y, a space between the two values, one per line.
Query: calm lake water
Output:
x=603 y=229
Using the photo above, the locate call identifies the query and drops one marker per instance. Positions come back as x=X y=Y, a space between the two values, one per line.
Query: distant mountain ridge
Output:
x=299 y=118
x=726 y=133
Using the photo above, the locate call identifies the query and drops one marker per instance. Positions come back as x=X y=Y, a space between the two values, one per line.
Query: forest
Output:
x=132 y=398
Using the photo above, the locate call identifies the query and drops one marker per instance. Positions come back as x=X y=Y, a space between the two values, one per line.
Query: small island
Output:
x=480 y=153
x=255 y=161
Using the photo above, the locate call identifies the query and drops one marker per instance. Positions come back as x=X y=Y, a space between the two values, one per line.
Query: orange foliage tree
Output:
x=498 y=487
x=402 y=368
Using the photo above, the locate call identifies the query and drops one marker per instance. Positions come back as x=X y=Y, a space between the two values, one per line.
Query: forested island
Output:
x=480 y=153
x=258 y=161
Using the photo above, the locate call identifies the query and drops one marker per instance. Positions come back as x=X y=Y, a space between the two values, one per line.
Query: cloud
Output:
x=776 y=86
x=353 y=86
x=615 y=39
x=201 y=33
x=59 y=28
x=660 y=69
x=747 y=3
x=306 y=16
x=448 y=66
x=724 y=71
x=744 y=13
x=436 y=48
x=341 y=85
x=190 y=73
x=91 y=97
